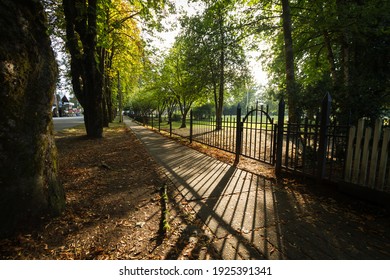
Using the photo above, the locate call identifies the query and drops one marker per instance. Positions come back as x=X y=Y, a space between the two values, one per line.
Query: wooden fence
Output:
x=367 y=162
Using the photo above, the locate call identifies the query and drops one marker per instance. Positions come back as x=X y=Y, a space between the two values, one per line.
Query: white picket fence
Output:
x=367 y=162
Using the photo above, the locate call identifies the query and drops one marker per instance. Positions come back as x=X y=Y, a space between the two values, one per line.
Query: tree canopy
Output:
x=313 y=47
x=340 y=47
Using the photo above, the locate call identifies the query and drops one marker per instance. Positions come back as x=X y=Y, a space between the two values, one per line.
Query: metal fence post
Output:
x=239 y=129
x=191 y=127
x=279 y=137
x=323 y=141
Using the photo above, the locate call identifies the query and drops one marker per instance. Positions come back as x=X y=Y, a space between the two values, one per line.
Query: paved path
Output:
x=255 y=218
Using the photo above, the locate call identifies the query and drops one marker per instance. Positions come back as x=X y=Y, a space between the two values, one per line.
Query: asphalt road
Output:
x=67 y=122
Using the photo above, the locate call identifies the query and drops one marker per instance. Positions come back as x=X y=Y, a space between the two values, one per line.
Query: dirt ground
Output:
x=119 y=206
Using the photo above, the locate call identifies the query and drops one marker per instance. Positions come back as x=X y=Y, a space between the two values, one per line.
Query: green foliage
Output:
x=339 y=47
x=143 y=103
x=120 y=38
x=180 y=78
x=216 y=38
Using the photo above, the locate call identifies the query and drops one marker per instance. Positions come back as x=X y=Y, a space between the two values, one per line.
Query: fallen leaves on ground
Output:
x=114 y=206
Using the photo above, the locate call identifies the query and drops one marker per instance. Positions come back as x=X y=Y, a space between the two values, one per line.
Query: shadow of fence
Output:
x=252 y=217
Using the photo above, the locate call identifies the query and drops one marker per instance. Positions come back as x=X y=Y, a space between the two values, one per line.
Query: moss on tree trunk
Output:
x=29 y=187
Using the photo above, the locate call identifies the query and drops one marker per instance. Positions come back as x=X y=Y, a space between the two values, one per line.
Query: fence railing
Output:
x=319 y=148
x=302 y=153
x=204 y=130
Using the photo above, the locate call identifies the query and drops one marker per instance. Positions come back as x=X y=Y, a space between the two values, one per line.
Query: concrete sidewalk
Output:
x=255 y=218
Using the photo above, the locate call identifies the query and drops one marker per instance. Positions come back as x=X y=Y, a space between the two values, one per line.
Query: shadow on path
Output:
x=253 y=217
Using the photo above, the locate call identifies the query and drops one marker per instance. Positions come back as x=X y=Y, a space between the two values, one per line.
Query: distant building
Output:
x=66 y=107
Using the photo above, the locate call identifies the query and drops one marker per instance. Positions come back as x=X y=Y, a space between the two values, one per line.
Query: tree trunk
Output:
x=184 y=119
x=28 y=156
x=102 y=68
x=345 y=93
x=220 y=100
x=218 y=111
x=293 y=112
x=87 y=80
x=331 y=57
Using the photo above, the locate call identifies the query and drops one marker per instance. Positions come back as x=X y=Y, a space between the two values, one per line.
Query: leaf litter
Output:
x=114 y=206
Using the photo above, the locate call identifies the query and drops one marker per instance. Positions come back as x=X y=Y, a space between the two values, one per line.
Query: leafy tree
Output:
x=217 y=50
x=143 y=104
x=161 y=93
x=338 y=47
x=92 y=30
x=28 y=159
x=120 y=49
x=181 y=78
x=289 y=62
x=361 y=38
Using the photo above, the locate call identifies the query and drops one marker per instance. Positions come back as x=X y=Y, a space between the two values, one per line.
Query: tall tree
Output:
x=120 y=48
x=289 y=62
x=81 y=33
x=217 y=50
x=28 y=159
x=89 y=55
x=337 y=46
x=362 y=36
x=180 y=77
x=272 y=21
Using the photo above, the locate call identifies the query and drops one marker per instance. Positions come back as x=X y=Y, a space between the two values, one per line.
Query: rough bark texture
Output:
x=28 y=169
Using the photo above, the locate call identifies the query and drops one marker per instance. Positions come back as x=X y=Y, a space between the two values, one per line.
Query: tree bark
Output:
x=293 y=112
x=220 y=99
x=28 y=156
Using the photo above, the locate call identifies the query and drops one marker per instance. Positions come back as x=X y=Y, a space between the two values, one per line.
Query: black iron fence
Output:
x=315 y=148
x=219 y=134
x=305 y=150
x=258 y=139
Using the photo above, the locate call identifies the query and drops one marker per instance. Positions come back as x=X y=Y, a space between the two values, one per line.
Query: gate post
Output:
x=238 y=135
x=279 y=137
x=323 y=141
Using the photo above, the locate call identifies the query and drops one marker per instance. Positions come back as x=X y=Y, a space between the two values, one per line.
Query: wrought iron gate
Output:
x=258 y=135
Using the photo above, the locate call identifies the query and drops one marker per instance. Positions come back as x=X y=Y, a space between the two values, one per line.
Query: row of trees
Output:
x=314 y=47
x=103 y=43
x=102 y=39
x=207 y=63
